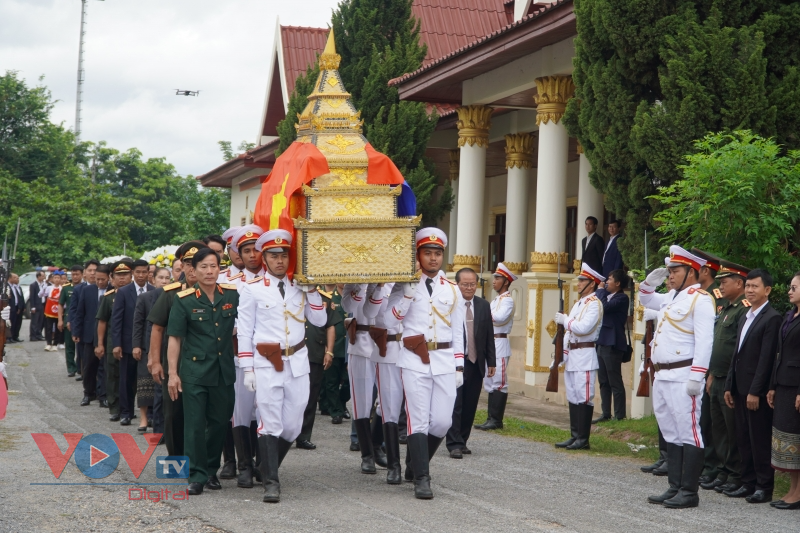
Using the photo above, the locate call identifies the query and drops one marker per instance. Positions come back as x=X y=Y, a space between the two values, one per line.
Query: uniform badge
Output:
x=278 y=240
x=746 y=303
x=254 y=279
x=197 y=293
x=198 y=311
x=717 y=293
x=227 y=306
x=724 y=319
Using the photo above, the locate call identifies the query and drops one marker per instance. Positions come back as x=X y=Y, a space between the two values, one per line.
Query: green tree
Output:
x=227 y=149
x=303 y=87
x=652 y=77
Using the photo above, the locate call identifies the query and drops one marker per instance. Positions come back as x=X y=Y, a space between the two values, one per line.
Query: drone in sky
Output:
x=182 y=92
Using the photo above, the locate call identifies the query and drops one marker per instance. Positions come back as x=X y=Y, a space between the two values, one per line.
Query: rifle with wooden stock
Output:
x=647 y=375
x=558 y=341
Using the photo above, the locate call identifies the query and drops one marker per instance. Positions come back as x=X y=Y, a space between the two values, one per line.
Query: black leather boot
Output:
x=692 y=467
x=573 y=427
x=409 y=473
x=228 y=470
x=584 y=427
x=376 y=428
x=433 y=445
x=495 y=421
x=418 y=444
x=241 y=438
x=268 y=446
x=675 y=462
x=254 y=446
x=391 y=437
x=283 y=448
x=660 y=466
x=365 y=443
x=491 y=402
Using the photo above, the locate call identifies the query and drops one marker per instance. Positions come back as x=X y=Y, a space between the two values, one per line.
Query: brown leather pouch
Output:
x=351 y=331
x=381 y=337
x=419 y=346
x=272 y=351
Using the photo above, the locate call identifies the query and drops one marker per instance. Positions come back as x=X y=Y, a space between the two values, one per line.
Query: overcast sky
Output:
x=137 y=52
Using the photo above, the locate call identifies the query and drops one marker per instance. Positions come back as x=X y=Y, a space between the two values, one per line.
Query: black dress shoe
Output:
x=114 y=418
x=104 y=403
x=213 y=483
x=402 y=439
x=706 y=479
x=305 y=444
x=336 y=420
x=354 y=447
x=601 y=419
x=79 y=378
x=71 y=375
x=125 y=422
x=466 y=451
x=773 y=503
x=787 y=506
x=741 y=492
x=760 y=496
x=142 y=429
x=346 y=414
x=661 y=470
x=730 y=486
x=85 y=401
x=456 y=454
x=195 y=489
x=712 y=484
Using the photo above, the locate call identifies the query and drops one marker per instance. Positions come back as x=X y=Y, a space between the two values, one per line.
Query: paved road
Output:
x=507 y=485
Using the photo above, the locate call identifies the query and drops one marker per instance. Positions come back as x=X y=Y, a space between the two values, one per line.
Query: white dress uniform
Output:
x=503 y=320
x=684 y=334
x=387 y=374
x=580 y=371
x=360 y=367
x=266 y=316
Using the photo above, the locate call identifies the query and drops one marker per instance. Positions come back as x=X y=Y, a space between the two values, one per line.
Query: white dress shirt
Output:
x=749 y=318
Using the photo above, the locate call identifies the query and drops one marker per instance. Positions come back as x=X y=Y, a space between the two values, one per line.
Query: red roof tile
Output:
x=300 y=48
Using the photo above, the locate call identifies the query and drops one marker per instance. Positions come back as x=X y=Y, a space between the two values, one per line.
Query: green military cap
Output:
x=732 y=269
x=712 y=261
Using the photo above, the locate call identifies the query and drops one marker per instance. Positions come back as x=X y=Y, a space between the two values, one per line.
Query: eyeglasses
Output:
x=468 y=285
x=792 y=288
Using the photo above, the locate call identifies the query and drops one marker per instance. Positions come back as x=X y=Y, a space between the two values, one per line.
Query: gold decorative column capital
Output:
x=519 y=150
x=552 y=97
x=454 y=162
x=473 y=125
x=549 y=261
x=467 y=261
x=515 y=267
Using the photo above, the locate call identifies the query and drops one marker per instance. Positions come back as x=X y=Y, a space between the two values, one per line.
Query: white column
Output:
x=453 y=234
x=551 y=172
x=519 y=154
x=590 y=201
x=473 y=138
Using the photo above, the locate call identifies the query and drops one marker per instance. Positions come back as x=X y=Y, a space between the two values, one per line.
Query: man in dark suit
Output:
x=82 y=313
x=612 y=260
x=592 y=246
x=483 y=337
x=16 y=302
x=612 y=344
x=747 y=386
x=122 y=338
x=37 y=308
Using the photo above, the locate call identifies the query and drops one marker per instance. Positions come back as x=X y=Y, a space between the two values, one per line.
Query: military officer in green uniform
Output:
x=64 y=298
x=334 y=395
x=320 y=343
x=733 y=305
x=200 y=333
x=121 y=275
x=157 y=363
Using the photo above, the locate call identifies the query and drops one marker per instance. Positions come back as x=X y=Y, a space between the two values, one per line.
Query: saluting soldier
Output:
x=431 y=360
x=581 y=331
x=201 y=336
x=733 y=306
x=273 y=355
x=681 y=351
x=158 y=362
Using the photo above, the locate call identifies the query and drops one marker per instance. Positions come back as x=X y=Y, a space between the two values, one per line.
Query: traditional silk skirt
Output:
x=786 y=431
x=145 y=386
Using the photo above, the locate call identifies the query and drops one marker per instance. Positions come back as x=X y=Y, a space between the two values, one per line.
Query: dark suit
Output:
x=122 y=337
x=612 y=260
x=82 y=313
x=750 y=372
x=141 y=339
x=593 y=255
x=37 y=311
x=468 y=394
x=16 y=302
x=611 y=346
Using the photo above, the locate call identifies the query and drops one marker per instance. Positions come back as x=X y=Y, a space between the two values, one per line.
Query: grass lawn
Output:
x=609 y=438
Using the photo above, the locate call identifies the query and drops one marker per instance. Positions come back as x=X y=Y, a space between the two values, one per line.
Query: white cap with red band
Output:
x=588 y=272
x=503 y=271
x=244 y=235
x=678 y=257
x=276 y=240
x=229 y=233
x=431 y=237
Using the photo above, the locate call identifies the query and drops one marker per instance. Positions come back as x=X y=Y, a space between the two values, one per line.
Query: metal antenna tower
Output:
x=79 y=97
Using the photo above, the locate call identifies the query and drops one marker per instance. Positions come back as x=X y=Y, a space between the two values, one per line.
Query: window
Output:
x=497 y=242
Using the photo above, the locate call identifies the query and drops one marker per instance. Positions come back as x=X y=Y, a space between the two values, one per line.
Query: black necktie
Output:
x=280 y=288
x=429 y=286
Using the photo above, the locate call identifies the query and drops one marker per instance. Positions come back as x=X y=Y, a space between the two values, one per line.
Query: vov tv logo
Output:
x=97 y=456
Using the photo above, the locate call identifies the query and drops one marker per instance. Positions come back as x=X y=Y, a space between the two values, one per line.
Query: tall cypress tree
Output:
x=651 y=77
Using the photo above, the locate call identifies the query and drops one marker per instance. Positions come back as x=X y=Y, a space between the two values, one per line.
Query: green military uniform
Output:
x=723 y=424
x=207 y=372
x=335 y=383
x=111 y=363
x=316 y=341
x=69 y=346
x=711 y=463
x=173 y=410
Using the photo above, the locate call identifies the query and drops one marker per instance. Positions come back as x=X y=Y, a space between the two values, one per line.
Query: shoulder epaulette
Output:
x=257 y=278
x=186 y=292
x=746 y=303
x=109 y=293
x=325 y=294
x=717 y=294
x=591 y=298
x=229 y=286
x=701 y=291
x=451 y=282
x=172 y=286
x=225 y=271
x=239 y=275
x=68 y=285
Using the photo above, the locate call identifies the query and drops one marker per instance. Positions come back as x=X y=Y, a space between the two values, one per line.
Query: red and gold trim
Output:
x=682 y=260
x=430 y=240
x=591 y=276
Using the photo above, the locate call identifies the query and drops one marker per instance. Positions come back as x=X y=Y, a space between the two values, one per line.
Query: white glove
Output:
x=5 y=314
x=641 y=367
x=250 y=380
x=561 y=318
x=459 y=378
x=693 y=388
x=308 y=287
x=3 y=370
x=657 y=277
x=409 y=289
x=650 y=314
